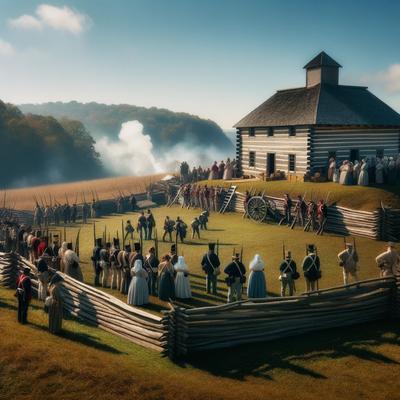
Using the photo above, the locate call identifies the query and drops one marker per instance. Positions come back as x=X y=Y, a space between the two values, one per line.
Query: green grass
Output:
x=233 y=232
x=357 y=197
x=86 y=362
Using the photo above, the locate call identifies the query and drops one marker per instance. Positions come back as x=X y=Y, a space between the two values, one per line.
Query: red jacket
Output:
x=24 y=282
x=41 y=248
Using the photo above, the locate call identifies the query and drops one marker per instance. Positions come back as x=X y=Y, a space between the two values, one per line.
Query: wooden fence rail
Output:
x=183 y=331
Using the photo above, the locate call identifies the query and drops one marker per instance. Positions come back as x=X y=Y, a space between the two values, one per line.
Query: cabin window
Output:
x=380 y=153
x=270 y=132
x=292 y=131
x=292 y=162
x=252 y=132
x=252 y=159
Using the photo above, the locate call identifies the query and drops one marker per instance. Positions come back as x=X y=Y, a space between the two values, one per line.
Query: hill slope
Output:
x=166 y=128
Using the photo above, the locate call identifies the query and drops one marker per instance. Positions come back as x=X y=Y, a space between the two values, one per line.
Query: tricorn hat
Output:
x=137 y=246
x=236 y=256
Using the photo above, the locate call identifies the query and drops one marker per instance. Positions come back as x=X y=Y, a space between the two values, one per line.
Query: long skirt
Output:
x=363 y=178
x=74 y=271
x=138 y=292
x=43 y=280
x=257 y=286
x=166 y=288
x=182 y=286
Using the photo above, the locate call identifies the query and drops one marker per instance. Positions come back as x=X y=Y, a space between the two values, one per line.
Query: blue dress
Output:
x=256 y=288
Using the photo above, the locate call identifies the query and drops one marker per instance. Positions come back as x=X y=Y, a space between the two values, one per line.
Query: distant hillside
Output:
x=166 y=128
x=37 y=149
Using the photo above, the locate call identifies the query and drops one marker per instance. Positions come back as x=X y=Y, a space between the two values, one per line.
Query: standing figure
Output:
x=288 y=275
x=168 y=228
x=228 y=172
x=388 y=261
x=150 y=223
x=344 y=173
x=287 y=207
x=93 y=209
x=43 y=277
x=105 y=264
x=182 y=283
x=221 y=169
x=56 y=304
x=363 y=179
x=203 y=219
x=138 y=292
x=348 y=259
x=85 y=212
x=96 y=261
x=71 y=262
x=142 y=226
x=311 y=216
x=74 y=213
x=300 y=209
x=24 y=295
x=311 y=269
x=195 y=224
x=356 y=171
x=181 y=229
x=61 y=253
x=129 y=229
x=132 y=202
x=166 y=286
x=115 y=267
x=236 y=272
x=331 y=168
x=257 y=287
x=214 y=171
x=322 y=215
x=379 y=172
x=211 y=266
x=151 y=264
x=123 y=261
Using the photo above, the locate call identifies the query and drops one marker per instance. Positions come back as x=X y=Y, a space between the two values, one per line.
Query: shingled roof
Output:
x=322 y=104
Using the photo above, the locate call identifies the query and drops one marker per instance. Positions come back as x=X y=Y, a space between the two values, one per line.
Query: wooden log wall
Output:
x=274 y=318
x=341 y=220
x=278 y=142
x=95 y=307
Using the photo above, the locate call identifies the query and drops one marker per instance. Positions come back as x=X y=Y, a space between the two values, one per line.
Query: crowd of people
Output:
x=226 y=170
x=374 y=170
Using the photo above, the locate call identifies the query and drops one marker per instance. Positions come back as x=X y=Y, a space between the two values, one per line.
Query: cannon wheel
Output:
x=257 y=208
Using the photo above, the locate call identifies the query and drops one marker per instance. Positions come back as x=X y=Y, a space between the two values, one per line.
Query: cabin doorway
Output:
x=270 y=164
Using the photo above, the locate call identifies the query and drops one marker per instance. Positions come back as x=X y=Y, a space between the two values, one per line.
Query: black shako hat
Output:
x=137 y=246
x=99 y=242
x=211 y=246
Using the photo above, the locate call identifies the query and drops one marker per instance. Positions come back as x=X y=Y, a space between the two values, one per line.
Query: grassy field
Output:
x=107 y=188
x=86 y=362
x=358 y=197
x=233 y=232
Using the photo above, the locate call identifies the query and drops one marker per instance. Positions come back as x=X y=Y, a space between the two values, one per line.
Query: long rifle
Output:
x=77 y=242
x=344 y=242
x=283 y=250
x=123 y=234
x=217 y=247
x=94 y=233
x=241 y=254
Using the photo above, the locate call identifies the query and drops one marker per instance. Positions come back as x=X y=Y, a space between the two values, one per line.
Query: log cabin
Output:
x=298 y=130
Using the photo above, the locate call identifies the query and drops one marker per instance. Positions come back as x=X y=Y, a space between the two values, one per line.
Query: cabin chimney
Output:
x=322 y=69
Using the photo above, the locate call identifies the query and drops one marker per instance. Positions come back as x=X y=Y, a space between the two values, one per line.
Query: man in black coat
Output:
x=236 y=272
x=24 y=295
x=210 y=264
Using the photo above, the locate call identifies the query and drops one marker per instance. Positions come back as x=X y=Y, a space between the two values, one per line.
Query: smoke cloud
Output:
x=133 y=153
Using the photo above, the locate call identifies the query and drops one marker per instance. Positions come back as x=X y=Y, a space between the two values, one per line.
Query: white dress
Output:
x=379 y=173
x=363 y=179
x=182 y=283
x=138 y=292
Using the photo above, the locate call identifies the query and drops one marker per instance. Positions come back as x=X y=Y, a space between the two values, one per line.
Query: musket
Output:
x=217 y=247
x=283 y=250
x=241 y=254
x=123 y=230
x=94 y=233
x=66 y=197
x=105 y=233
x=117 y=234
x=344 y=242
x=77 y=242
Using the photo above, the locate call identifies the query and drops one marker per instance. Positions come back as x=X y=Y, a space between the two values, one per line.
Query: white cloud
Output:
x=389 y=78
x=58 y=18
x=26 y=22
x=6 y=48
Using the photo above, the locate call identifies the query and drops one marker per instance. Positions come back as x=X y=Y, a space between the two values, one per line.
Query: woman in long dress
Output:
x=138 y=292
x=363 y=179
x=257 y=287
x=228 y=170
x=331 y=168
x=379 y=172
x=43 y=278
x=344 y=172
x=55 y=304
x=166 y=286
x=182 y=283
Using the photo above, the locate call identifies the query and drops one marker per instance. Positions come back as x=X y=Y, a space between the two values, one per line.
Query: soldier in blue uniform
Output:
x=311 y=268
x=211 y=266
x=288 y=274
x=236 y=272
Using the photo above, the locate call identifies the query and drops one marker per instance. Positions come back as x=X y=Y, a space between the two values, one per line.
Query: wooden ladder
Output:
x=176 y=198
x=227 y=199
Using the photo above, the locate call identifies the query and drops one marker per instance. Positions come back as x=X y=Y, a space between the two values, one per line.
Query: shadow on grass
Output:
x=293 y=354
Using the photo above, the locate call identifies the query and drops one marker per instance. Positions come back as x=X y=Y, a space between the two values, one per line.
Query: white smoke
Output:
x=133 y=153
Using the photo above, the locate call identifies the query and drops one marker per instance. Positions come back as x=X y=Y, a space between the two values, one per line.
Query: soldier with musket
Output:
x=348 y=259
x=24 y=295
x=96 y=261
x=236 y=272
x=211 y=266
x=115 y=267
x=311 y=268
x=168 y=228
x=288 y=274
x=123 y=261
x=311 y=214
x=322 y=215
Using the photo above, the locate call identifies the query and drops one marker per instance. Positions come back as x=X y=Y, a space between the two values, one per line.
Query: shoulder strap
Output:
x=212 y=265
x=237 y=266
x=313 y=265
x=287 y=266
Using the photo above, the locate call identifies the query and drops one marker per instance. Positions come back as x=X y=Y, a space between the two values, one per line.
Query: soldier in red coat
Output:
x=24 y=295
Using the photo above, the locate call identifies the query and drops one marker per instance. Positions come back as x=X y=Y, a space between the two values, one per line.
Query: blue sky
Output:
x=217 y=59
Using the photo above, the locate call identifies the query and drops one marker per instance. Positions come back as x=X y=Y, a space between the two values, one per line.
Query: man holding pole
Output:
x=236 y=272
x=211 y=266
x=348 y=259
x=311 y=268
x=288 y=273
